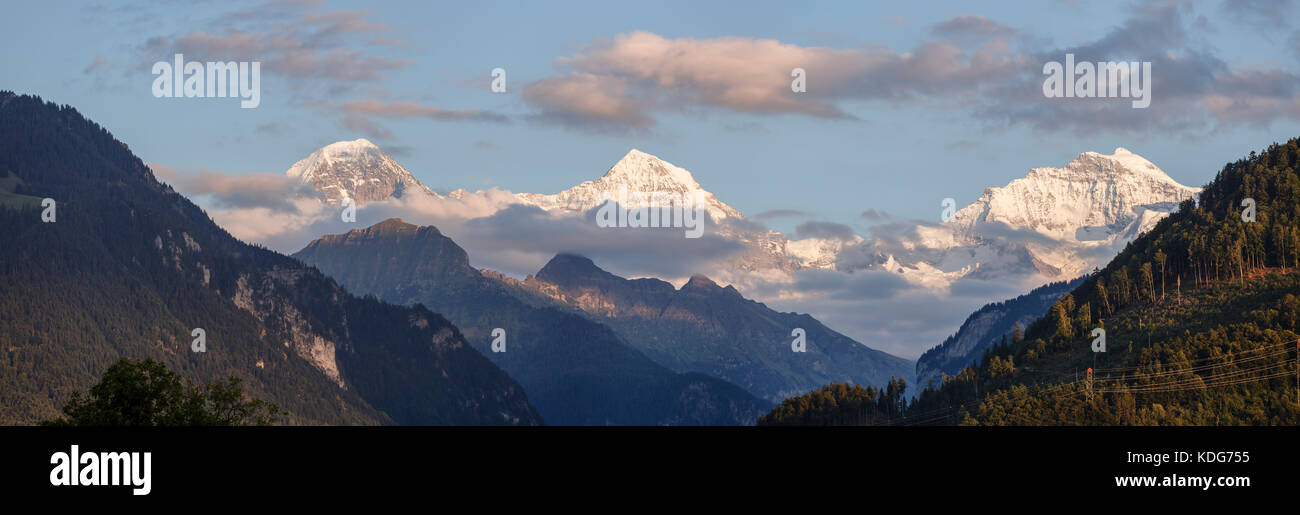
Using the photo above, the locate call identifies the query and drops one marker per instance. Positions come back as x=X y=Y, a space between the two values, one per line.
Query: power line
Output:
x=1285 y=373
x=1208 y=358
x=1184 y=377
x=1275 y=353
x=1196 y=382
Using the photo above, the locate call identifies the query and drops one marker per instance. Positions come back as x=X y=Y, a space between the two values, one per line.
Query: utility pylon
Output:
x=1088 y=383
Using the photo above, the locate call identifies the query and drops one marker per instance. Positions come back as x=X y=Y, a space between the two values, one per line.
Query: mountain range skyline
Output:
x=922 y=112
x=738 y=250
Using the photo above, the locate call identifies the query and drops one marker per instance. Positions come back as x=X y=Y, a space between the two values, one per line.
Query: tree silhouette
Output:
x=145 y=393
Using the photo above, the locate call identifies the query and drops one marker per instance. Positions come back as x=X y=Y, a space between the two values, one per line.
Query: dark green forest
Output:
x=842 y=404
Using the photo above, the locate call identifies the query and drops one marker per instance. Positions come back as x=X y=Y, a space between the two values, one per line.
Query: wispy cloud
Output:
x=1260 y=13
x=973 y=66
x=625 y=82
x=873 y=215
x=971 y=28
x=1193 y=90
x=96 y=64
x=360 y=115
x=820 y=229
x=589 y=102
x=272 y=191
x=318 y=49
x=779 y=213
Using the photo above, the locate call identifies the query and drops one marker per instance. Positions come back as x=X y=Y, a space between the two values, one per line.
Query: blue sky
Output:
x=898 y=154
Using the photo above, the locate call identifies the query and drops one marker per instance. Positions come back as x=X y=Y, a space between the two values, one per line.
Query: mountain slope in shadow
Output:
x=131 y=268
x=575 y=371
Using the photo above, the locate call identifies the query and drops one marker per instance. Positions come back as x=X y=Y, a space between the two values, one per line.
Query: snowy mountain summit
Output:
x=358 y=170
x=1055 y=222
x=1096 y=197
x=1051 y=224
x=638 y=172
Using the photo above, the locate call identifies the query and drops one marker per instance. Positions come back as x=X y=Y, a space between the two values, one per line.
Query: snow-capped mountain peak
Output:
x=637 y=173
x=1094 y=197
x=356 y=169
x=1056 y=223
x=1131 y=162
x=645 y=172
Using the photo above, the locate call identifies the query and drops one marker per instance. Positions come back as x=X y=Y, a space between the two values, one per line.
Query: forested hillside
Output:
x=986 y=327
x=842 y=404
